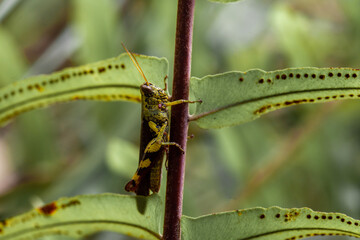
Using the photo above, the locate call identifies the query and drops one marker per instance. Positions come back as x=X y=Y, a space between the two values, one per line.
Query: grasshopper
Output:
x=154 y=137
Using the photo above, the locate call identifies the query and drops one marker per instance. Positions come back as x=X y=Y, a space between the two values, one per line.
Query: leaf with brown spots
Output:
x=269 y=224
x=227 y=100
x=81 y=216
x=108 y=80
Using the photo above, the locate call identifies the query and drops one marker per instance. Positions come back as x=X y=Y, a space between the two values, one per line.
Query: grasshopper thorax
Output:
x=154 y=104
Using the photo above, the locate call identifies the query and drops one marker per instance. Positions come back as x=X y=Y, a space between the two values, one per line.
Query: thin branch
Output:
x=179 y=119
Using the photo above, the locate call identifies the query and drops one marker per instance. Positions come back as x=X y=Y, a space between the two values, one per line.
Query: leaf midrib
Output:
x=54 y=225
x=300 y=229
x=201 y=115
x=45 y=96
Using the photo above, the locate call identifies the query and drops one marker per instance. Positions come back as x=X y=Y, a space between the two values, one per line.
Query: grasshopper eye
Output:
x=146 y=89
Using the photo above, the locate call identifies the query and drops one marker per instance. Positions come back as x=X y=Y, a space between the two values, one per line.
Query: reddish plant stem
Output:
x=179 y=120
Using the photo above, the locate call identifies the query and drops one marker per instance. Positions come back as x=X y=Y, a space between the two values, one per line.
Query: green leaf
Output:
x=269 y=224
x=108 y=80
x=238 y=97
x=83 y=215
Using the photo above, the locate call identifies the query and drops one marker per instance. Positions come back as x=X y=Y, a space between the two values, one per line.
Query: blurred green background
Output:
x=305 y=155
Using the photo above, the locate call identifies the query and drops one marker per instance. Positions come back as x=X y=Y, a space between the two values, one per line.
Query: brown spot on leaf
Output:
x=347 y=75
x=101 y=69
x=306 y=75
x=313 y=75
x=3 y=223
x=262 y=216
x=322 y=76
x=122 y=66
x=261 y=80
x=354 y=75
x=241 y=79
x=70 y=204
x=330 y=74
x=48 y=209
x=298 y=75
x=339 y=74
x=39 y=88
x=64 y=77
x=260 y=110
x=283 y=76
x=291 y=216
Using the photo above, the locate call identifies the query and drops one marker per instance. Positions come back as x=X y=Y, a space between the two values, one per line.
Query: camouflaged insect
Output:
x=154 y=136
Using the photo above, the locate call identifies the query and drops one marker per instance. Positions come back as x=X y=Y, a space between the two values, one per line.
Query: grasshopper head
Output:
x=148 y=90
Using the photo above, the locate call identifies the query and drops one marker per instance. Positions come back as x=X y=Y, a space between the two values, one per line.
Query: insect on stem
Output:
x=154 y=138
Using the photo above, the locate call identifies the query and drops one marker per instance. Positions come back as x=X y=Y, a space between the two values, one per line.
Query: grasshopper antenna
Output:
x=137 y=65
